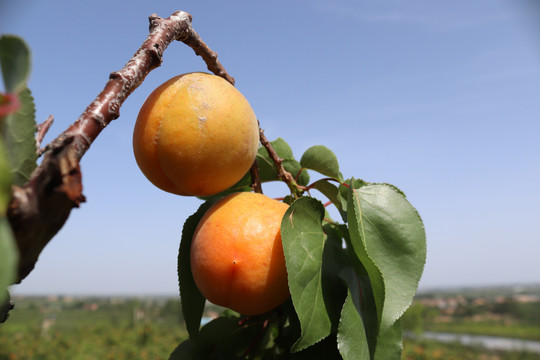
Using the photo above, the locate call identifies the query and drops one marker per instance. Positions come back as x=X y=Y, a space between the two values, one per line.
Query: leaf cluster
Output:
x=350 y=280
x=17 y=143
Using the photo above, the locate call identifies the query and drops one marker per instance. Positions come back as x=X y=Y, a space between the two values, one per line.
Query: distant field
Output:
x=527 y=332
x=428 y=350
x=87 y=329
x=120 y=328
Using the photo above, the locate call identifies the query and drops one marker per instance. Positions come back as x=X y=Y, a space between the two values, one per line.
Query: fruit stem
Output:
x=255 y=178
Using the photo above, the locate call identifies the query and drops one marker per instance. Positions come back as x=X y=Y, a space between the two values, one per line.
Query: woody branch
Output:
x=39 y=209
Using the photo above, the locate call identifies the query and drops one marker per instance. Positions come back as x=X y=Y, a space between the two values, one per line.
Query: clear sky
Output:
x=441 y=99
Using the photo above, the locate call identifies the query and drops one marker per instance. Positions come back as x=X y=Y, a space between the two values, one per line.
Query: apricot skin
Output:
x=236 y=254
x=196 y=135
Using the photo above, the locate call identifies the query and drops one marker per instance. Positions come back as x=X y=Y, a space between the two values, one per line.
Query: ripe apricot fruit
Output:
x=196 y=134
x=236 y=253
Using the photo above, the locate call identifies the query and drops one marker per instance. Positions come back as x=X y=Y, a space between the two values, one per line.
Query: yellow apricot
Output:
x=236 y=254
x=196 y=134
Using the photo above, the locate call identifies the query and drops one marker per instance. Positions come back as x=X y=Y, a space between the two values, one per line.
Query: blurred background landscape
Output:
x=470 y=323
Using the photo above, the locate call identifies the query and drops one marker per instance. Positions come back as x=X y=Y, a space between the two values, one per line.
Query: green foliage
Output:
x=18 y=134
x=350 y=282
x=352 y=339
x=17 y=144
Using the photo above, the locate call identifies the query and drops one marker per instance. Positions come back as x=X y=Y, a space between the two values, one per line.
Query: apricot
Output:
x=236 y=254
x=196 y=134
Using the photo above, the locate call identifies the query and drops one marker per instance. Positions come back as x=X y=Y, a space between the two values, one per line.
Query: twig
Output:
x=210 y=57
x=283 y=174
x=39 y=209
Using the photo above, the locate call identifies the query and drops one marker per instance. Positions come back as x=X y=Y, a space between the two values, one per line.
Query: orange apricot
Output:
x=236 y=253
x=196 y=134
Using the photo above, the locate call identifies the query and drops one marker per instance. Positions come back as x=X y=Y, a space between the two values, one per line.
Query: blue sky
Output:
x=438 y=98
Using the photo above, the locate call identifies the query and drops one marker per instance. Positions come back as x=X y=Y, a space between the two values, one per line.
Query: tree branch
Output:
x=39 y=209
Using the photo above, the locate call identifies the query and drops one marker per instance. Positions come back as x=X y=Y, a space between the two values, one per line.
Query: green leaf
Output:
x=390 y=343
x=8 y=257
x=210 y=336
x=387 y=235
x=235 y=341
x=215 y=337
x=18 y=131
x=5 y=180
x=192 y=300
x=282 y=148
x=351 y=337
x=15 y=62
x=312 y=265
x=333 y=194
x=322 y=160
x=325 y=349
x=184 y=351
x=368 y=308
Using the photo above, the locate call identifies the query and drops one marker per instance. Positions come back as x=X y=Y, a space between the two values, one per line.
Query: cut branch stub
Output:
x=39 y=209
x=41 y=131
